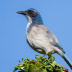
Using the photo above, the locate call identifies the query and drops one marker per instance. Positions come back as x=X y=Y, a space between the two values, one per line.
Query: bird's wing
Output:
x=58 y=46
x=51 y=37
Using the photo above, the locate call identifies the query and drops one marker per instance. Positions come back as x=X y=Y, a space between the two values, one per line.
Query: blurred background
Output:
x=57 y=17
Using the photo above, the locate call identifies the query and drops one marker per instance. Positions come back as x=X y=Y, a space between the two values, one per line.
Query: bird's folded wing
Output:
x=46 y=34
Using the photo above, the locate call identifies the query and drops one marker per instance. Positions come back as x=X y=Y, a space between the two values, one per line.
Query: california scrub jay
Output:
x=40 y=38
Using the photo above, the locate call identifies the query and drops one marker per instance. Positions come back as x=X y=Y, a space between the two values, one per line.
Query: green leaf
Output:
x=62 y=71
x=19 y=65
x=16 y=67
x=42 y=70
x=47 y=66
x=51 y=69
x=36 y=55
x=54 y=62
x=57 y=69
x=38 y=59
x=53 y=65
x=42 y=65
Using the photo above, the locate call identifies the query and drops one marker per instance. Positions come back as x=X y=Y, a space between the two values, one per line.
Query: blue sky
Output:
x=57 y=17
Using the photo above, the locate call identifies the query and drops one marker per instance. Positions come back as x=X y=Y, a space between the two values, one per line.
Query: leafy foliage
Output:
x=41 y=64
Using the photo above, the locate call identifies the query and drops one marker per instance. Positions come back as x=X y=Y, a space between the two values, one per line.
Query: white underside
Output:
x=29 y=23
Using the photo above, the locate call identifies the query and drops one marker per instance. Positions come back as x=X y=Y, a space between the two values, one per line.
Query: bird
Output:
x=41 y=39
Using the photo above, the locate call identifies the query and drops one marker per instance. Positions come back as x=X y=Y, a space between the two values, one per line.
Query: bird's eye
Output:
x=29 y=11
x=32 y=13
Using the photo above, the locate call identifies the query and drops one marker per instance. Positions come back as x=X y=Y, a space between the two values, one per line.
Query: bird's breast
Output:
x=38 y=41
x=34 y=44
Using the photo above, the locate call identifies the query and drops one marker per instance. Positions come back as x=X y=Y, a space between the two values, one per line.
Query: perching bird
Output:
x=40 y=38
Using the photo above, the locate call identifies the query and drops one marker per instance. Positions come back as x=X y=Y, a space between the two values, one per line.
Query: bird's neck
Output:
x=33 y=21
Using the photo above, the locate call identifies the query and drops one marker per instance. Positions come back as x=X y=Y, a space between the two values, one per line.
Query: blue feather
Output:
x=67 y=60
x=56 y=44
x=59 y=46
x=31 y=9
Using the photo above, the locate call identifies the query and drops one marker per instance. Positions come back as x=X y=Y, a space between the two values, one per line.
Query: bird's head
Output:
x=32 y=15
x=30 y=12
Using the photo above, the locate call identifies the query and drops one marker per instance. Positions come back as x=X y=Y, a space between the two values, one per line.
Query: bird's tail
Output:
x=67 y=60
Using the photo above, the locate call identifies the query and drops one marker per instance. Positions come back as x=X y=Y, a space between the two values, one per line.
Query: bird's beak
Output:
x=21 y=12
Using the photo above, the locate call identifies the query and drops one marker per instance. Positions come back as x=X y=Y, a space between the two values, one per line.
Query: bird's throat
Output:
x=33 y=21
